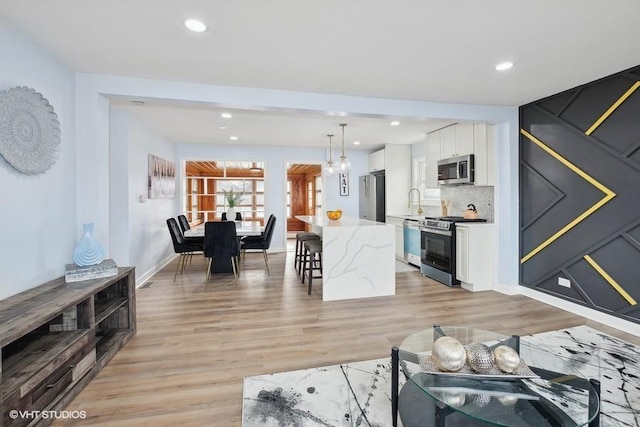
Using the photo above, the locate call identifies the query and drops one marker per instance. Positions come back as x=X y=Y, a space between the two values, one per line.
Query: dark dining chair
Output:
x=262 y=242
x=184 y=223
x=238 y=216
x=220 y=242
x=184 y=226
x=181 y=246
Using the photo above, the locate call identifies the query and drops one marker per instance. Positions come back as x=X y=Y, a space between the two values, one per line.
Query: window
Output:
x=289 y=198
x=420 y=174
x=310 y=195
x=206 y=184
x=429 y=196
x=318 y=183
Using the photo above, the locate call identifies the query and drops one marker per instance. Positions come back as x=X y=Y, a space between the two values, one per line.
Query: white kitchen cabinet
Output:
x=464 y=139
x=448 y=142
x=432 y=155
x=398 y=223
x=456 y=140
x=478 y=139
x=484 y=154
x=377 y=161
x=397 y=178
x=474 y=256
x=462 y=254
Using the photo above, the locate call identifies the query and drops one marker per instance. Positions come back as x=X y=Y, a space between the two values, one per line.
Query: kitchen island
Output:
x=358 y=257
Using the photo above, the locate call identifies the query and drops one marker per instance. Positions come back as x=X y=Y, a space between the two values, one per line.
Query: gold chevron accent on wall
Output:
x=613 y=107
x=608 y=195
x=610 y=280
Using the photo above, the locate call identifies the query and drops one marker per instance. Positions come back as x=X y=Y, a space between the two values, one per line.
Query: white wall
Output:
x=37 y=213
x=139 y=233
x=276 y=159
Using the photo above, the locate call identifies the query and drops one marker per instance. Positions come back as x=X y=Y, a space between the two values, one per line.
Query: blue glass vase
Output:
x=88 y=251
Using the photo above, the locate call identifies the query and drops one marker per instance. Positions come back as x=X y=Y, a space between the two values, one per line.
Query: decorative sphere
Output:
x=480 y=358
x=507 y=359
x=448 y=354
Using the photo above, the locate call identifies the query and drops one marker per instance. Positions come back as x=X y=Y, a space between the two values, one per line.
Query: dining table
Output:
x=243 y=228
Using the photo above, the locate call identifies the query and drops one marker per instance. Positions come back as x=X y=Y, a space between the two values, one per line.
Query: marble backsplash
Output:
x=459 y=196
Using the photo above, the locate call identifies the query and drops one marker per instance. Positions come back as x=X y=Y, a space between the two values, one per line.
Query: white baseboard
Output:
x=591 y=314
x=140 y=280
x=506 y=289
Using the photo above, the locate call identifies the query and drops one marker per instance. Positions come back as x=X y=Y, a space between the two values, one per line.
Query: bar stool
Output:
x=312 y=260
x=299 y=255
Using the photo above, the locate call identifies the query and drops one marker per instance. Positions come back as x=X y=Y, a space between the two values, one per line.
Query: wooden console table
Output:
x=56 y=337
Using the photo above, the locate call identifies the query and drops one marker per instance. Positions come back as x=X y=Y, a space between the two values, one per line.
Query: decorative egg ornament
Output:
x=507 y=359
x=448 y=354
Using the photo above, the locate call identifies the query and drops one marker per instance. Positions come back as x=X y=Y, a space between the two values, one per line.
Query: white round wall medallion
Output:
x=29 y=130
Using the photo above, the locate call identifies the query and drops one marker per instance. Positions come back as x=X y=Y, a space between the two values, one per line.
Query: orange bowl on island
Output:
x=334 y=215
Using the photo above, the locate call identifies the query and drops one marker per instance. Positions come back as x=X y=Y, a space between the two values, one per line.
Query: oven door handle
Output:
x=441 y=233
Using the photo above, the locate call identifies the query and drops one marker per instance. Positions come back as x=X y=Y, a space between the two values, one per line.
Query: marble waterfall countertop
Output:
x=345 y=221
x=358 y=257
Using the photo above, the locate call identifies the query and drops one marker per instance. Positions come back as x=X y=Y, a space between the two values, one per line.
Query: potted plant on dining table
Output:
x=233 y=199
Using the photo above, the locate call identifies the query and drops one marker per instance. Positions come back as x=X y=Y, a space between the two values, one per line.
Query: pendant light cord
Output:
x=343 y=125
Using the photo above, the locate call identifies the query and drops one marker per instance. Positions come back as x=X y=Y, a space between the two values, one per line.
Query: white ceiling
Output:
x=198 y=124
x=409 y=49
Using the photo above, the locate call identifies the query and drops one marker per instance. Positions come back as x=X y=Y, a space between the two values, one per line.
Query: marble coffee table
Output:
x=555 y=395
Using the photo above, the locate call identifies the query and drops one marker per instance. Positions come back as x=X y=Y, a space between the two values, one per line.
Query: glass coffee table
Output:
x=552 y=393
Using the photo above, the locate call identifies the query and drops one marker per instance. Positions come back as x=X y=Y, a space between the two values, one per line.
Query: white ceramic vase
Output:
x=231 y=214
x=88 y=251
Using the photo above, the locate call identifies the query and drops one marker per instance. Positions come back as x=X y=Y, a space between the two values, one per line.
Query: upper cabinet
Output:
x=377 y=161
x=456 y=140
x=484 y=154
x=461 y=139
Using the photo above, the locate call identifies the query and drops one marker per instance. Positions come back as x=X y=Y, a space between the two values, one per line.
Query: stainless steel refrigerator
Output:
x=371 y=190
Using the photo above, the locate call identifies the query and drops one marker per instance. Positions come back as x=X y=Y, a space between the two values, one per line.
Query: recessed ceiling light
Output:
x=395 y=123
x=134 y=102
x=222 y=127
x=226 y=115
x=504 y=66
x=195 y=25
x=356 y=142
x=233 y=138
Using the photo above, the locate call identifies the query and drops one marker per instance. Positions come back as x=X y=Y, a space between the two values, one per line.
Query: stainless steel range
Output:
x=438 y=248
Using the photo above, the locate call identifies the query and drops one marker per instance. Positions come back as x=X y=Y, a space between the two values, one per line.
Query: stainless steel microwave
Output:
x=456 y=170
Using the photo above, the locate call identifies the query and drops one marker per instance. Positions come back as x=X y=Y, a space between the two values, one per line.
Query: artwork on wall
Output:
x=29 y=130
x=343 y=180
x=162 y=178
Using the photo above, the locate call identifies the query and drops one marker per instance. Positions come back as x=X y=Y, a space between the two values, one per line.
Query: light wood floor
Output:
x=197 y=341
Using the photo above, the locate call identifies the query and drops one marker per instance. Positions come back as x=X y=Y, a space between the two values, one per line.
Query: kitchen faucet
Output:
x=420 y=211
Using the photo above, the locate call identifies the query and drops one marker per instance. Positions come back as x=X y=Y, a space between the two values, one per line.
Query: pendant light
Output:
x=331 y=168
x=345 y=164
x=255 y=168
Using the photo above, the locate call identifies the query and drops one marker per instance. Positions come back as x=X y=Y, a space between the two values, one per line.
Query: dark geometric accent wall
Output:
x=580 y=195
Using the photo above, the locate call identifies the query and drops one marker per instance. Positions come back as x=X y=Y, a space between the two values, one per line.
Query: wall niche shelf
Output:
x=56 y=337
